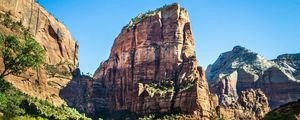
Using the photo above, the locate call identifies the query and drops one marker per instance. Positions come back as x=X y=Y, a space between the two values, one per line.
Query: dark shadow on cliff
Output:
x=77 y=94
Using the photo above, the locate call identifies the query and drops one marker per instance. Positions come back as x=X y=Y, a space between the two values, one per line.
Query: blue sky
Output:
x=268 y=27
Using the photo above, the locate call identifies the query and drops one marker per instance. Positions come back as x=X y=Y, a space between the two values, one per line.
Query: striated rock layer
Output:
x=61 y=49
x=251 y=105
x=152 y=68
x=241 y=69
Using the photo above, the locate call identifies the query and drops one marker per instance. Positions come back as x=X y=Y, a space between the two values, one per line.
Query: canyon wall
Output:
x=152 y=68
x=53 y=36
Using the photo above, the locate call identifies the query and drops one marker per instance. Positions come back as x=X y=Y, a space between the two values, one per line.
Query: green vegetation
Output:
x=141 y=16
x=55 y=70
x=166 y=86
x=289 y=111
x=186 y=86
x=17 y=105
x=14 y=26
x=89 y=75
x=20 y=54
x=167 y=117
x=280 y=116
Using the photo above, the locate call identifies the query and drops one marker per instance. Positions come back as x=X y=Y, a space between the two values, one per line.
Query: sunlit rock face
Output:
x=252 y=104
x=241 y=69
x=152 y=68
x=53 y=36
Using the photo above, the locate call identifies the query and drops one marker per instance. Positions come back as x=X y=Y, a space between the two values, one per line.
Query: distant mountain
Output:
x=242 y=69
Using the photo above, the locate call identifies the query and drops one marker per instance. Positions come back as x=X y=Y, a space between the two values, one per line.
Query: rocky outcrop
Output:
x=61 y=49
x=152 y=68
x=78 y=93
x=251 y=105
x=290 y=63
x=241 y=69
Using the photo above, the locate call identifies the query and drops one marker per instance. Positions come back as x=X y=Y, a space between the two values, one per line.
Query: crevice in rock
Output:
x=55 y=36
x=157 y=63
x=31 y=12
x=37 y=21
x=132 y=63
x=114 y=69
x=177 y=73
x=75 y=53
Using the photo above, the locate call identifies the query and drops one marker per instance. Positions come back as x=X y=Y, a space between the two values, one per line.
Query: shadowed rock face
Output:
x=77 y=94
x=241 y=69
x=152 y=68
x=61 y=49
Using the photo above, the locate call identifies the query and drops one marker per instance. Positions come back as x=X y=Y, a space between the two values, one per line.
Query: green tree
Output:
x=20 y=54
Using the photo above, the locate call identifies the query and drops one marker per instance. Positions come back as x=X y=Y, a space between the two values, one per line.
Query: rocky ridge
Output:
x=241 y=69
x=152 y=68
x=61 y=49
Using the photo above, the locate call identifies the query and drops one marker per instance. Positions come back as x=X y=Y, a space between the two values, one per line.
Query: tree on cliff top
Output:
x=19 y=54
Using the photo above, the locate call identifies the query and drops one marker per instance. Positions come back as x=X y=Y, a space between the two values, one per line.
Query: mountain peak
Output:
x=238 y=57
x=169 y=8
x=239 y=48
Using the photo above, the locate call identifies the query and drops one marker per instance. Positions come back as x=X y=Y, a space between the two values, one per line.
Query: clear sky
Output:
x=268 y=27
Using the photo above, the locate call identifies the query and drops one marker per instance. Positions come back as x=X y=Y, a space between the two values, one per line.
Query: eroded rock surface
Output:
x=61 y=49
x=152 y=68
x=241 y=69
x=251 y=105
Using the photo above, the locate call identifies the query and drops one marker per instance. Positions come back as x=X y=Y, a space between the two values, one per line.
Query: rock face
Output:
x=251 y=105
x=152 y=68
x=61 y=49
x=78 y=94
x=241 y=69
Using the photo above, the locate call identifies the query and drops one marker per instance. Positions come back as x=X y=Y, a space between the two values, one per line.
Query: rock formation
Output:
x=152 y=68
x=241 y=69
x=251 y=105
x=78 y=93
x=61 y=49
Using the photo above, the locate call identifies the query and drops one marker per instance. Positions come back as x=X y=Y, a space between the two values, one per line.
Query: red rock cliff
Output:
x=152 y=68
x=61 y=49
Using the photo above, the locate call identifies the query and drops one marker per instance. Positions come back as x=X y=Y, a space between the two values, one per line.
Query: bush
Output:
x=168 y=117
x=20 y=54
x=163 y=88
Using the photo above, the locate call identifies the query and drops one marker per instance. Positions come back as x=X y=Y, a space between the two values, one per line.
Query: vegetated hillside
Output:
x=289 y=111
x=15 y=105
